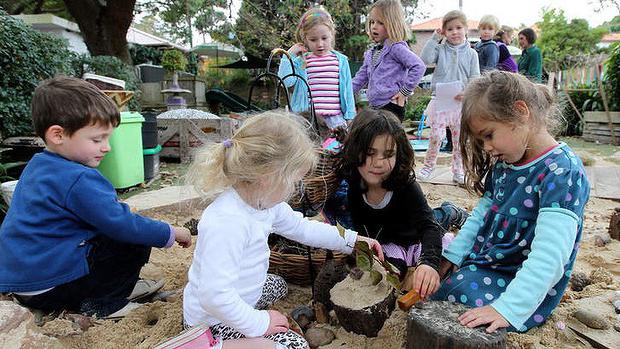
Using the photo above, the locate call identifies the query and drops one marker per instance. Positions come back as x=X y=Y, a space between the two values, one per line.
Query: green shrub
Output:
x=112 y=67
x=144 y=54
x=417 y=104
x=173 y=60
x=27 y=57
x=612 y=76
x=571 y=125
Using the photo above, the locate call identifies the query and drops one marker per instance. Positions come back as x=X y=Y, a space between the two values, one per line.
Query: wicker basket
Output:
x=294 y=266
x=317 y=186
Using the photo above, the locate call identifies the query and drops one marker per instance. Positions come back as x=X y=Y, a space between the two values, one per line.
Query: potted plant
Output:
x=174 y=61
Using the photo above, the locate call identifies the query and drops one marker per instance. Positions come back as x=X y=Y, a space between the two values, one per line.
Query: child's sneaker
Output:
x=124 y=311
x=458 y=178
x=425 y=174
x=453 y=215
x=145 y=288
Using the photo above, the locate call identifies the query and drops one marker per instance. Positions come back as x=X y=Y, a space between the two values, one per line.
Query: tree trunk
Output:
x=104 y=25
x=434 y=325
x=367 y=321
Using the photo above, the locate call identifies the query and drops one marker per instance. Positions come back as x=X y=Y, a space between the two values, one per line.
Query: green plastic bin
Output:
x=123 y=165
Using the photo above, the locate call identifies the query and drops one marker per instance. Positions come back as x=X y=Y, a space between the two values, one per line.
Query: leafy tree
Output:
x=602 y=4
x=561 y=41
x=103 y=24
x=265 y=24
x=180 y=17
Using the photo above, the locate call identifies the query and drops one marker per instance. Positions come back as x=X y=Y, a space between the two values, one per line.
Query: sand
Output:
x=154 y=322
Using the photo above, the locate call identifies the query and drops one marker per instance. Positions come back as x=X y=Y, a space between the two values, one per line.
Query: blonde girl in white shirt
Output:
x=254 y=173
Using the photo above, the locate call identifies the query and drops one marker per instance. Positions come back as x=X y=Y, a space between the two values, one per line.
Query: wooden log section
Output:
x=434 y=325
x=369 y=320
x=614 y=224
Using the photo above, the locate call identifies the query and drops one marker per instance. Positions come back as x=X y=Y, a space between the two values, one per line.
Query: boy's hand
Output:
x=182 y=236
x=277 y=323
x=374 y=245
x=482 y=316
x=445 y=267
x=297 y=50
x=425 y=280
x=399 y=99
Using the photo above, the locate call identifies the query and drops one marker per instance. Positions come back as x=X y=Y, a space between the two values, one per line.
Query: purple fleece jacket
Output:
x=397 y=67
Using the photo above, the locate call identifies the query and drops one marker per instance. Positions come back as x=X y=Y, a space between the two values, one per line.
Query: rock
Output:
x=601 y=240
x=617 y=306
x=333 y=319
x=578 y=281
x=318 y=336
x=303 y=315
x=18 y=330
x=591 y=319
x=617 y=327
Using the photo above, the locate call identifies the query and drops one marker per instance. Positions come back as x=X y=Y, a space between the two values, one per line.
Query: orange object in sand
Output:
x=407 y=300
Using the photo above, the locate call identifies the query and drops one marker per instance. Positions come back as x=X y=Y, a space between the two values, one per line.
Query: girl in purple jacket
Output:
x=390 y=70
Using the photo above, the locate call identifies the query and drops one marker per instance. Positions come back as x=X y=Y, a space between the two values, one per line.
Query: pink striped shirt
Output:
x=323 y=80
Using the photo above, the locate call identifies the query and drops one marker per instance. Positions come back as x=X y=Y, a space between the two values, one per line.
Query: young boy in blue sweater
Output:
x=67 y=243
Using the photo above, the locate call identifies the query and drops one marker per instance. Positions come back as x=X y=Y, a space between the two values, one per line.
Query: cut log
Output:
x=369 y=320
x=332 y=272
x=614 y=224
x=435 y=325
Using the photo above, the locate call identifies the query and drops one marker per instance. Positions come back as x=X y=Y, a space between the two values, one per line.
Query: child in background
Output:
x=67 y=243
x=228 y=284
x=387 y=204
x=455 y=62
x=326 y=71
x=503 y=38
x=514 y=255
x=391 y=71
x=530 y=63
x=488 y=52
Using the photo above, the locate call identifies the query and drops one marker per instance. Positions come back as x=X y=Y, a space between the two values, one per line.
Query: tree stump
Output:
x=367 y=320
x=434 y=325
x=614 y=224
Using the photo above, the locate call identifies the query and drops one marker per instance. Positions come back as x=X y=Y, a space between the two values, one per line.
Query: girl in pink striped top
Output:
x=325 y=70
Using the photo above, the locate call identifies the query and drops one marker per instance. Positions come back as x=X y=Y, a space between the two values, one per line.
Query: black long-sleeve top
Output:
x=406 y=220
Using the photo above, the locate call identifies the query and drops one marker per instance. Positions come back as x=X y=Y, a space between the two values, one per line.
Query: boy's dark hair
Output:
x=367 y=125
x=529 y=34
x=72 y=104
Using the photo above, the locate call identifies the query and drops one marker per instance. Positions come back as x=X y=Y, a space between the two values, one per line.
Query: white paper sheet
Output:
x=444 y=95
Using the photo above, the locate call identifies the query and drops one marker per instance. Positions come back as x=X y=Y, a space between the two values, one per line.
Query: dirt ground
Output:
x=155 y=322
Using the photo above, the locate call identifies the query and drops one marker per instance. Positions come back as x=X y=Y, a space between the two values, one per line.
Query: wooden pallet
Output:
x=598 y=127
x=180 y=137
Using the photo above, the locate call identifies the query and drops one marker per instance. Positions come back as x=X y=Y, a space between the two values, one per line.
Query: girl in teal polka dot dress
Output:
x=513 y=257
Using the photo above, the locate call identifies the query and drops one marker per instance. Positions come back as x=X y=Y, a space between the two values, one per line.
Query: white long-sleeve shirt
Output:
x=231 y=260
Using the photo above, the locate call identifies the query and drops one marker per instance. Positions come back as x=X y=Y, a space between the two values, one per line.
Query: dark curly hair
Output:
x=367 y=125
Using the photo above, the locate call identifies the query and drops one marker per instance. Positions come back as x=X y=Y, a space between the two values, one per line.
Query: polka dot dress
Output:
x=557 y=180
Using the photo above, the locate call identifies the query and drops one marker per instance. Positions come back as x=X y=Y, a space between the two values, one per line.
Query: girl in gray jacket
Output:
x=455 y=62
